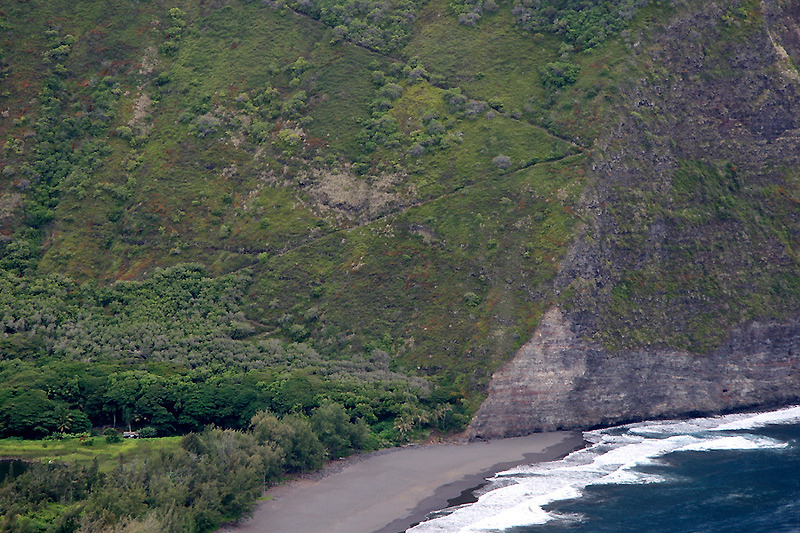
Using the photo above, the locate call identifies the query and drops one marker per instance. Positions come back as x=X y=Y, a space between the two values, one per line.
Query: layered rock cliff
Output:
x=692 y=224
x=558 y=381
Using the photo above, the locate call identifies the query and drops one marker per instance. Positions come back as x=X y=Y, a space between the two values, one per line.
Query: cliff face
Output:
x=558 y=381
x=681 y=293
x=692 y=222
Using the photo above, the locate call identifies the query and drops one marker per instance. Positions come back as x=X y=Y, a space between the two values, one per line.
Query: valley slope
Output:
x=397 y=194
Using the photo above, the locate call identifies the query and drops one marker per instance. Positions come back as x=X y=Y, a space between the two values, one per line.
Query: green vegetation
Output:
x=559 y=74
x=167 y=354
x=380 y=26
x=85 y=450
x=215 y=198
x=493 y=61
x=699 y=276
x=582 y=23
x=705 y=244
x=429 y=254
x=193 y=483
x=295 y=230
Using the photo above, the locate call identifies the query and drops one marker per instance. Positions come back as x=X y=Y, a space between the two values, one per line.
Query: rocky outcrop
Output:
x=559 y=381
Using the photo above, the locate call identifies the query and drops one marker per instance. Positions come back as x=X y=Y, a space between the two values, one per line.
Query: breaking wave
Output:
x=614 y=456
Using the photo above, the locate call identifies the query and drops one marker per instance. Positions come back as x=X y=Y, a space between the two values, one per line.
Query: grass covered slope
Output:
x=244 y=135
x=461 y=278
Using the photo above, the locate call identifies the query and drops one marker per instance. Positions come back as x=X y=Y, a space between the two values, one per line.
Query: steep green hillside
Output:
x=408 y=181
x=358 y=211
x=378 y=203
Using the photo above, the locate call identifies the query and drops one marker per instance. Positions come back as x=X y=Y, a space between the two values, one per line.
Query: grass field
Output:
x=83 y=452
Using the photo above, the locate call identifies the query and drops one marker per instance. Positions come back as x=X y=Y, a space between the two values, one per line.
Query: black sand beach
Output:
x=389 y=491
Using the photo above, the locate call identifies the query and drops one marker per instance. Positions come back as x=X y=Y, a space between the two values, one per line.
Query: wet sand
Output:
x=390 y=490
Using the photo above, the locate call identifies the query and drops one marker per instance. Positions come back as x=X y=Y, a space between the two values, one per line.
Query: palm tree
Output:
x=63 y=418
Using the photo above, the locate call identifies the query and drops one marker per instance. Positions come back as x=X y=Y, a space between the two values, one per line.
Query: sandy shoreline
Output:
x=388 y=491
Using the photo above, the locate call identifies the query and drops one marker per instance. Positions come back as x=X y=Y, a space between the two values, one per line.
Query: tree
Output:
x=292 y=437
x=306 y=452
x=29 y=414
x=333 y=428
x=559 y=74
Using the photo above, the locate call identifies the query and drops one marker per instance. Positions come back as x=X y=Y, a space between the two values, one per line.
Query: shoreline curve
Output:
x=389 y=491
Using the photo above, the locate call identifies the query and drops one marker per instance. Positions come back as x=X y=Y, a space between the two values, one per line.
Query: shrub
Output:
x=148 y=432
x=206 y=125
x=416 y=150
x=112 y=436
x=294 y=104
x=496 y=103
x=392 y=91
x=168 y=48
x=469 y=19
x=474 y=108
x=471 y=299
x=289 y=141
x=124 y=132
x=163 y=79
x=378 y=78
x=416 y=74
x=298 y=332
x=559 y=74
x=454 y=99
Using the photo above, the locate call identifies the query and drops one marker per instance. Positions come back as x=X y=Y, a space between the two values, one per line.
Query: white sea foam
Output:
x=790 y=415
x=660 y=428
x=738 y=442
x=518 y=497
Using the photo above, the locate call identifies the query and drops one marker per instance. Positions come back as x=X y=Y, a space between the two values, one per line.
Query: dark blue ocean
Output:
x=736 y=473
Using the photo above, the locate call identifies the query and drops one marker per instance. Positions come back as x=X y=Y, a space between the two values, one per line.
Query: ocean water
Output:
x=735 y=473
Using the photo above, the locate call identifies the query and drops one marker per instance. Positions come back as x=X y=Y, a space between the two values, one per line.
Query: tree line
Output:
x=41 y=399
x=174 y=353
x=215 y=475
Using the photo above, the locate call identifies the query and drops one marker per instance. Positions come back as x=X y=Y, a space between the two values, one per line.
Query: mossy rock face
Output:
x=699 y=187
